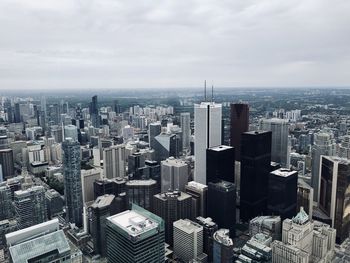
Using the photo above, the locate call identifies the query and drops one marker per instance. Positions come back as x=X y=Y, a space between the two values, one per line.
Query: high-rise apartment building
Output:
x=255 y=170
x=239 y=125
x=72 y=181
x=114 y=161
x=135 y=236
x=207 y=132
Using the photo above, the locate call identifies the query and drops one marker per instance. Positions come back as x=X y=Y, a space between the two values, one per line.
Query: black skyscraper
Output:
x=221 y=163
x=222 y=204
x=255 y=170
x=239 y=124
x=282 y=199
x=95 y=118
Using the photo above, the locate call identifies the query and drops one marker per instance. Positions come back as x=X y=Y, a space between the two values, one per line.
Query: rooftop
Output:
x=103 y=201
x=283 y=172
x=187 y=226
x=133 y=223
x=220 y=148
x=222 y=236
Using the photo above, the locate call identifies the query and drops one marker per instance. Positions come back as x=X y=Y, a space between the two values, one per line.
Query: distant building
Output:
x=154 y=129
x=174 y=174
x=54 y=203
x=7 y=163
x=6 y=209
x=88 y=177
x=114 y=161
x=185 y=123
x=135 y=236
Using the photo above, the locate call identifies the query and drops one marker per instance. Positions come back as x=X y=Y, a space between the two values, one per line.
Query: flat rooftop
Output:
x=133 y=223
x=220 y=148
x=284 y=172
x=187 y=226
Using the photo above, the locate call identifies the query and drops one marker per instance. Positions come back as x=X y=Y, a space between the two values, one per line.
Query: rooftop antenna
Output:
x=205 y=90
x=212 y=93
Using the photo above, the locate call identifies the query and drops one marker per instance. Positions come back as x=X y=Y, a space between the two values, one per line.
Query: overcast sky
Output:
x=179 y=43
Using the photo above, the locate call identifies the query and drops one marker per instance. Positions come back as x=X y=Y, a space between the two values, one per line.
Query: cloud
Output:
x=163 y=43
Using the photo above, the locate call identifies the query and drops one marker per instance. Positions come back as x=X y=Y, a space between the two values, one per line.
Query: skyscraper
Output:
x=95 y=118
x=305 y=195
x=6 y=202
x=7 y=164
x=199 y=193
x=255 y=169
x=154 y=129
x=103 y=207
x=221 y=164
x=188 y=240
x=223 y=246
x=141 y=192
x=207 y=131
x=324 y=144
x=209 y=228
x=135 y=236
x=239 y=124
x=282 y=196
x=71 y=131
x=72 y=181
x=280 y=144
x=165 y=146
x=185 y=123
x=174 y=174
x=334 y=193
x=222 y=204
x=114 y=159
x=30 y=206
x=172 y=206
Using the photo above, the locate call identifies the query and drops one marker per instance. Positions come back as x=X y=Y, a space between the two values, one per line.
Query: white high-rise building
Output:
x=207 y=131
x=188 y=240
x=185 y=123
x=174 y=175
x=114 y=161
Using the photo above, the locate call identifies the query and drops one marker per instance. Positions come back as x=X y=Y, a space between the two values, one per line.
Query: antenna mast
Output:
x=205 y=90
x=212 y=93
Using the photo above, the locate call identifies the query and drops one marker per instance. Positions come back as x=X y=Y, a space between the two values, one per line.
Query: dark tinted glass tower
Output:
x=255 y=170
x=209 y=228
x=222 y=204
x=72 y=181
x=282 y=197
x=94 y=112
x=239 y=124
x=7 y=164
x=221 y=163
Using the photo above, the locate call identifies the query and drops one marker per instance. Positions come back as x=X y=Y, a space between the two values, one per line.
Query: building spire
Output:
x=205 y=90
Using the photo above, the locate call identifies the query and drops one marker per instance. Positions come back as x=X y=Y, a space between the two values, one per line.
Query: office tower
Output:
x=185 y=123
x=154 y=129
x=141 y=192
x=239 y=124
x=280 y=144
x=71 y=131
x=172 y=206
x=223 y=246
x=41 y=243
x=154 y=172
x=113 y=186
x=188 y=241
x=304 y=241
x=95 y=118
x=88 y=177
x=7 y=164
x=199 y=193
x=209 y=228
x=222 y=204
x=165 y=146
x=54 y=203
x=255 y=170
x=135 y=236
x=256 y=249
x=344 y=147
x=324 y=144
x=17 y=114
x=221 y=164
x=282 y=195
x=30 y=206
x=305 y=195
x=334 y=193
x=207 y=132
x=174 y=174
x=135 y=161
x=56 y=132
x=103 y=207
x=72 y=181
x=6 y=203
x=114 y=159
x=267 y=225
x=6 y=226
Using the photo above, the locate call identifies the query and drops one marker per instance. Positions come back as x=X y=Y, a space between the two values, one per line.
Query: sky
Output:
x=92 y=44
